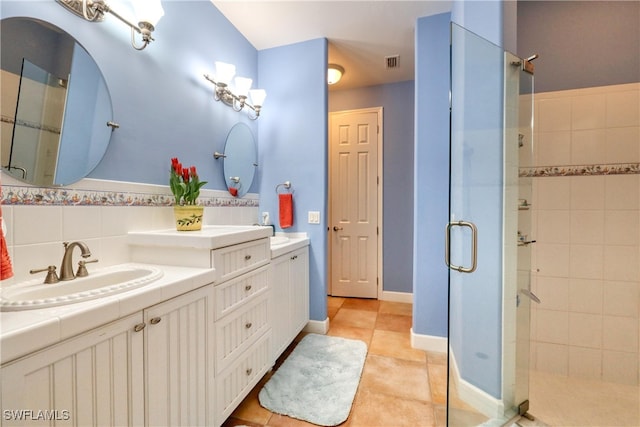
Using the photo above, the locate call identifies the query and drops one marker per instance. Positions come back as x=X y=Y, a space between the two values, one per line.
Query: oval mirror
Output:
x=56 y=108
x=240 y=160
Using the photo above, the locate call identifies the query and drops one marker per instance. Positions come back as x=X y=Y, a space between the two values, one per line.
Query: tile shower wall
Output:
x=586 y=220
x=100 y=213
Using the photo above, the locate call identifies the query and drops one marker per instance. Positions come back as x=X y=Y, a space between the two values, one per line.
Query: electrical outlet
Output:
x=314 y=217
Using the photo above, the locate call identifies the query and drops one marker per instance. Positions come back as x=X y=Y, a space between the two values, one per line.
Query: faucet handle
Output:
x=51 y=277
x=82 y=270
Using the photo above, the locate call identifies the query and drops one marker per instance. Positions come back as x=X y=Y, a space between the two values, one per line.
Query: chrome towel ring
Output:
x=286 y=184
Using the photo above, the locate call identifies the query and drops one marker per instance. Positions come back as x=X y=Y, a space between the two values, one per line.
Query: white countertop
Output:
x=22 y=332
x=210 y=237
x=296 y=241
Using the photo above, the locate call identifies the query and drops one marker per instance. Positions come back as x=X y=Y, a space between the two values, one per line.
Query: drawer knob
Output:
x=155 y=320
x=247 y=257
x=247 y=288
x=249 y=371
x=248 y=325
x=139 y=327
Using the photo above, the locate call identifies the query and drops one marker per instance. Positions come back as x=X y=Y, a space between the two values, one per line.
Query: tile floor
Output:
x=400 y=386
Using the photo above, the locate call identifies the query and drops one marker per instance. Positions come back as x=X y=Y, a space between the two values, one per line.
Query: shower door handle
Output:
x=474 y=246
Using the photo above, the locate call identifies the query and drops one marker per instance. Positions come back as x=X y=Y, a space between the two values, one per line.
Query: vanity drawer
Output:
x=235 y=383
x=234 y=260
x=237 y=331
x=231 y=294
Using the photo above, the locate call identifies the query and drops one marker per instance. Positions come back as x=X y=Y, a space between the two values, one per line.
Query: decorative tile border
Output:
x=38 y=196
x=32 y=125
x=581 y=170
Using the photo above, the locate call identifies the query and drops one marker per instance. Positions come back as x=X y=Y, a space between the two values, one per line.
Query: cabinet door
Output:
x=281 y=317
x=179 y=359
x=299 y=289
x=93 y=379
x=290 y=283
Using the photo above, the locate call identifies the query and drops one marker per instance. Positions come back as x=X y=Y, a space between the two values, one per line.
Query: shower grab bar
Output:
x=531 y=295
x=474 y=246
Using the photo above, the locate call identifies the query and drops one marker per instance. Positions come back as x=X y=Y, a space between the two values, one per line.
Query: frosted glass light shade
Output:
x=243 y=84
x=257 y=96
x=334 y=74
x=148 y=11
x=225 y=72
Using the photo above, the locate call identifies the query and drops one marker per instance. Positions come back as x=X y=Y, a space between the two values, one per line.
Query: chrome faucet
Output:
x=66 y=269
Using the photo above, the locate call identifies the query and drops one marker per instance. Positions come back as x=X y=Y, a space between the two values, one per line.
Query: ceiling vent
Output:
x=392 y=62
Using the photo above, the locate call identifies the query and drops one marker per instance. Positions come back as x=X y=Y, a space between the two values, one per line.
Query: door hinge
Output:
x=377 y=231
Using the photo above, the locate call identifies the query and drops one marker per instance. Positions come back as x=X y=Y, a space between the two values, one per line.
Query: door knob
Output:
x=335 y=228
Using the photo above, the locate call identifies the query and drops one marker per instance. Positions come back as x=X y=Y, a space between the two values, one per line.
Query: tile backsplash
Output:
x=100 y=213
x=586 y=220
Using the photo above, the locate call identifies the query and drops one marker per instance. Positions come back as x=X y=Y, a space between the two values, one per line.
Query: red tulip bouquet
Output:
x=185 y=184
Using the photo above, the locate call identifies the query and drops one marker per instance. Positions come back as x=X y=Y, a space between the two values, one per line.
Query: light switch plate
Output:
x=314 y=217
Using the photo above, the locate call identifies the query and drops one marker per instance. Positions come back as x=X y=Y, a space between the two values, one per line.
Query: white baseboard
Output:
x=396 y=297
x=428 y=342
x=317 y=326
x=478 y=399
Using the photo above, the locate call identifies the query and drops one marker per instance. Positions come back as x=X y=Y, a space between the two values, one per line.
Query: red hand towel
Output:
x=286 y=210
x=6 y=270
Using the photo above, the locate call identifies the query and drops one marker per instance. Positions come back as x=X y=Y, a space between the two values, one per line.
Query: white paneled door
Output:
x=354 y=180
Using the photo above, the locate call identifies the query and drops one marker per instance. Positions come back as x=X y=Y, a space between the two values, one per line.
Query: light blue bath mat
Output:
x=318 y=381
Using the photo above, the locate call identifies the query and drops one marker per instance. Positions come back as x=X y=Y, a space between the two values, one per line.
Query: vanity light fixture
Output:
x=243 y=92
x=148 y=12
x=334 y=73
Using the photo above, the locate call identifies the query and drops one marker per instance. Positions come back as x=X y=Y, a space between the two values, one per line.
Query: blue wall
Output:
x=601 y=38
x=293 y=147
x=164 y=106
x=494 y=20
x=431 y=175
x=398 y=141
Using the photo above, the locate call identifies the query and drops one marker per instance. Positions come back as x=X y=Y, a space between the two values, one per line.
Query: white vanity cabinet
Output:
x=96 y=378
x=241 y=295
x=184 y=358
x=152 y=368
x=290 y=296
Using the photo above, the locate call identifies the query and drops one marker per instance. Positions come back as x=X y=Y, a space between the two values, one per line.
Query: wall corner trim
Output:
x=317 y=326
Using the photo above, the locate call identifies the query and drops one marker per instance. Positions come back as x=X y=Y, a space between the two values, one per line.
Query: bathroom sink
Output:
x=279 y=240
x=110 y=281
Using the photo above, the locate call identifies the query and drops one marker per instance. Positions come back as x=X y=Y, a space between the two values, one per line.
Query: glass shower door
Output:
x=488 y=318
